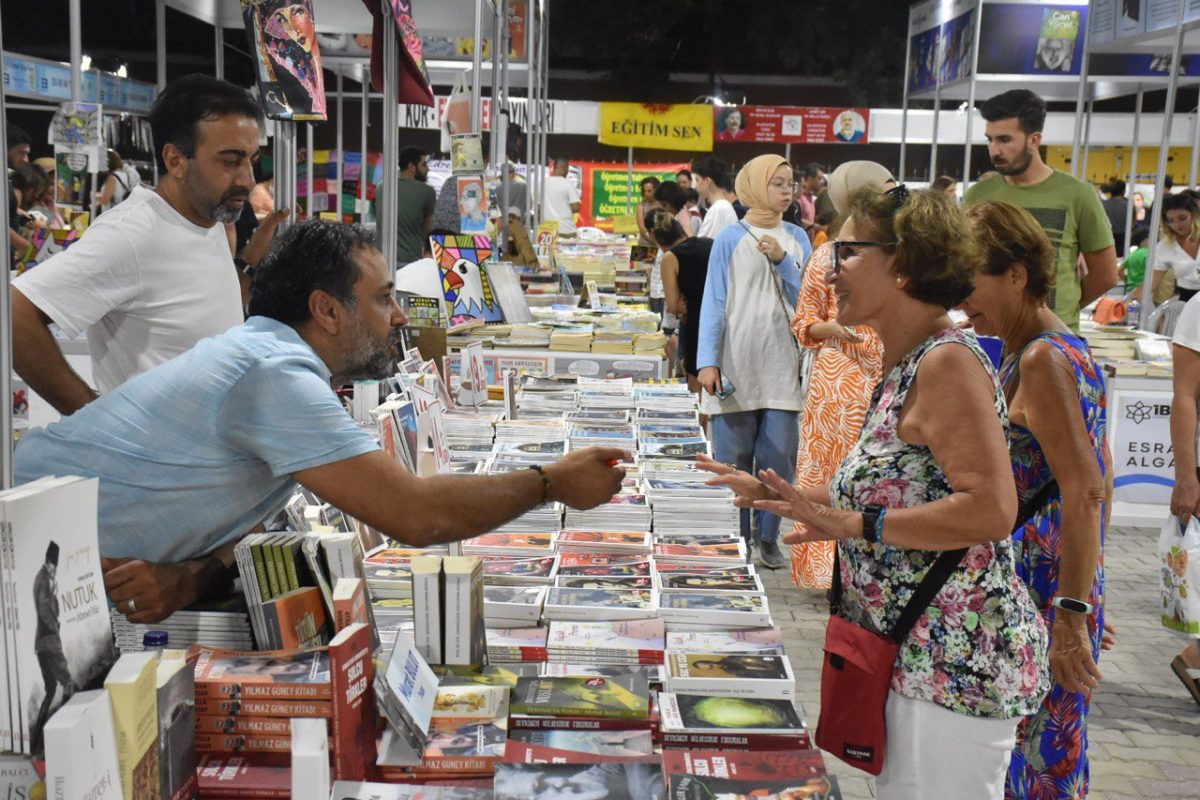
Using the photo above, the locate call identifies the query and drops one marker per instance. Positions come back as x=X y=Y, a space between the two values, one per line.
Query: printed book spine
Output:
x=696 y=740
x=547 y=723
x=291 y=555
x=343 y=558
x=761 y=688
x=10 y=736
x=81 y=757
x=354 y=714
x=260 y=567
x=427 y=611
x=234 y=776
x=268 y=552
x=465 y=637
x=237 y=707
x=219 y=690
x=243 y=552
x=349 y=602
x=135 y=720
x=277 y=556
x=242 y=726
x=243 y=743
x=309 y=745
x=176 y=726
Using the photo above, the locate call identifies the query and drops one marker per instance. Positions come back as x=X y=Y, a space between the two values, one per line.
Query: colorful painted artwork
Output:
x=465 y=285
x=283 y=37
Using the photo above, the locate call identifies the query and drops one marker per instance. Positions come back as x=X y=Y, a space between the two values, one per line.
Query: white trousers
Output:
x=935 y=753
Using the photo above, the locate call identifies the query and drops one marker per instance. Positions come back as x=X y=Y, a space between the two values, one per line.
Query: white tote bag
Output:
x=1179 y=552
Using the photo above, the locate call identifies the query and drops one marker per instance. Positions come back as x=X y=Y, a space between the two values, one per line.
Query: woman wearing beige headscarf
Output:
x=845 y=369
x=747 y=359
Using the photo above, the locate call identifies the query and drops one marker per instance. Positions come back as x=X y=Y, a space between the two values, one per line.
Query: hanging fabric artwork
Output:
x=465 y=285
x=283 y=37
x=412 y=76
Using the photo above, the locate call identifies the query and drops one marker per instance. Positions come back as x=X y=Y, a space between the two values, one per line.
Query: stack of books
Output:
x=224 y=623
x=604 y=541
x=691 y=506
x=519 y=571
x=616 y=342
x=528 y=544
x=468 y=427
x=245 y=700
x=602 y=434
x=730 y=675
x=692 y=722
x=599 y=604
x=632 y=642
x=765 y=773
x=585 y=703
x=513 y=606
x=516 y=645
x=573 y=339
x=723 y=553
x=597 y=416
x=649 y=343
x=624 y=512
x=764 y=641
x=468 y=731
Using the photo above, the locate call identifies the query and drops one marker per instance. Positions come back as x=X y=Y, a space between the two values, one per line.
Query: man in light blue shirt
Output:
x=194 y=453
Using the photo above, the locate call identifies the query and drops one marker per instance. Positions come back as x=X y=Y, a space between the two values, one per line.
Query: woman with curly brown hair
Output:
x=930 y=473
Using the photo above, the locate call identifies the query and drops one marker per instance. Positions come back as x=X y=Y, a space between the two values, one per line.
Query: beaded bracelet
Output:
x=545 y=481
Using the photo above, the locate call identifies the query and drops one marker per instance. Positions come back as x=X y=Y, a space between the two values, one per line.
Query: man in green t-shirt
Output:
x=414 y=205
x=1068 y=209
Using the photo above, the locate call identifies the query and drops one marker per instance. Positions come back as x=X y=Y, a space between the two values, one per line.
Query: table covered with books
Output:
x=627 y=651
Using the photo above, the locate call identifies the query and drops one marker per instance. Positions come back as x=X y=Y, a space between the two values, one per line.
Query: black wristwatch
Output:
x=870 y=523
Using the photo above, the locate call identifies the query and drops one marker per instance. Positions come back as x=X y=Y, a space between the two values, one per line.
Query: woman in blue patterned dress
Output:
x=930 y=472
x=1056 y=409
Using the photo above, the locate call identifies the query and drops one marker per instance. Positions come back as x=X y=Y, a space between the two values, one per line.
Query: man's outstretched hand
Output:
x=157 y=590
x=586 y=478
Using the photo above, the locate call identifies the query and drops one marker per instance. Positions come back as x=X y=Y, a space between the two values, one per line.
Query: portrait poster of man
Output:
x=283 y=36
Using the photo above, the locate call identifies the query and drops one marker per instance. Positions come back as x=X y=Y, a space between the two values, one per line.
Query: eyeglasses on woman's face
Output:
x=782 y=185
x=843 y=251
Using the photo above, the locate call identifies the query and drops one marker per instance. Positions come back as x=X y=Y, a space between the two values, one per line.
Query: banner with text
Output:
x=1143 y=459
x=658 y=125
x=605 y=187
x=791 y=124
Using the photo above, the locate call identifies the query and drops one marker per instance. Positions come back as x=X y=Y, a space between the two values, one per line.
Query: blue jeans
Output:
x=754 y=440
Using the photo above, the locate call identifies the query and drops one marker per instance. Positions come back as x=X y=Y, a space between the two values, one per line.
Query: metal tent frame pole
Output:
x=1083 y=96
x=527 y=211
x=309 y=194
x=904 y=109
x=967 y=140
x=362 y=138
x=76 y=26
x=937 y=108
x=500 y=121
x=219 y=51
x=1087 y=139
x=1133 y=162
x=386 y=205
x=1195 y=164
x=1147 y=303
x=497 y=43
x=477 y=72
x=543 y=93
x=160 y=44
x=341 y=144
x=6 y=358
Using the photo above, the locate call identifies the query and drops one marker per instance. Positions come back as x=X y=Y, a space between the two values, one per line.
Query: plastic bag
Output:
x=1179 y=551
x=457 y=116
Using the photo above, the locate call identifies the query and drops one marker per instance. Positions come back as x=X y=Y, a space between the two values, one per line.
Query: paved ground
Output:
x=1145 y=728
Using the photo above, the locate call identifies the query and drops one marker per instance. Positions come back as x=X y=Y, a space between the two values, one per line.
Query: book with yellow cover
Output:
x=132 y=688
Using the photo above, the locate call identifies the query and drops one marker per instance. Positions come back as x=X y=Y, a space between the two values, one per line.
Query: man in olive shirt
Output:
x=1068 y=209
x=414 y=205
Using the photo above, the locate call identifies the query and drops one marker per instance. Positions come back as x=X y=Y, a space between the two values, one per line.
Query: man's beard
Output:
x=1016 y=167
x=223 y=213
x=370 y=358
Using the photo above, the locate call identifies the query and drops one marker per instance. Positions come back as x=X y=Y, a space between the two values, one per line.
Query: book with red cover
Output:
x=252 y=743
x=710 y=773
x=260 y=674
x=354 y=715
x=242 y=726
x=548 y=723
x=349 y=602
x=298 y=618
x=233 y=776
x=263 y=707
x=522 y=753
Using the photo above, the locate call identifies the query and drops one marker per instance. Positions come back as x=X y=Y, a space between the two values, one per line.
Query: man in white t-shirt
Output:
x=1185 y=496
x=156 y=274
x=715 y=185
x=560 y=197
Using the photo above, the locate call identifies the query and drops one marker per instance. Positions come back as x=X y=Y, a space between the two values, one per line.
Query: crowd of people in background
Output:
x=822 y=314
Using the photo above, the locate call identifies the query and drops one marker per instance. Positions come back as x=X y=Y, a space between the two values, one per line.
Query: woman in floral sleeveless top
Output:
x=1057 y=405
x=929 y=473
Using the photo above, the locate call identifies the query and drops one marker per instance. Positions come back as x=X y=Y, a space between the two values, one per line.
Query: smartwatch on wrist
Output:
x=872 y=523
x=1072 y=605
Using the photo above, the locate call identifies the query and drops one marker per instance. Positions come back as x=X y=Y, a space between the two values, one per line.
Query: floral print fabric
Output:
x=1050 y=759
x=839 y=389
x=980 y=648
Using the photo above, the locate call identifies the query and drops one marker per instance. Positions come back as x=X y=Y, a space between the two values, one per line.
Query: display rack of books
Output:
x=628 y=651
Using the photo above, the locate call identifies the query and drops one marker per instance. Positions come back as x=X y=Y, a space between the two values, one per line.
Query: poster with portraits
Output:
x=790 y=124
x=283 y=38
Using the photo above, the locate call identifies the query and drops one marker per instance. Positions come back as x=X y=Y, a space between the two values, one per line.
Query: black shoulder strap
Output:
x=941 y=570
